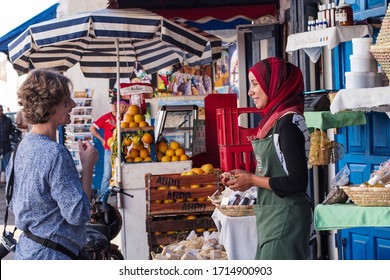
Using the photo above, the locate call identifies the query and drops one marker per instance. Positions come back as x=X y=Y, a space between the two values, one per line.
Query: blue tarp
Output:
x=47 y=14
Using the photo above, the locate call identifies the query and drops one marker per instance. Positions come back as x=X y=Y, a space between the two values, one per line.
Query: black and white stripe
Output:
x=89 y=38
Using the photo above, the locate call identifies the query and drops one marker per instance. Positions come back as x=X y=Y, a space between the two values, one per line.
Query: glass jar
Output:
x=344 y=15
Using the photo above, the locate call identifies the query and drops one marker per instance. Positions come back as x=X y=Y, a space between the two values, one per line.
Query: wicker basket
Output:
x=381 y=49
x=232 y=210
x=368 y=196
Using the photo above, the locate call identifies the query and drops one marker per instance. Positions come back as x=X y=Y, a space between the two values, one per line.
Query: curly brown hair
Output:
x=41 y=92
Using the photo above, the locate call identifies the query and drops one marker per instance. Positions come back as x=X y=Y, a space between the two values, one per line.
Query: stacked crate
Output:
x=234 y=141
x=178 y=204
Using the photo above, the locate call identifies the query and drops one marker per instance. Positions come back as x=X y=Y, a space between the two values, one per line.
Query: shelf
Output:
x=340 y=216
x=324 y=119
x=311 y=42
x=362 y=99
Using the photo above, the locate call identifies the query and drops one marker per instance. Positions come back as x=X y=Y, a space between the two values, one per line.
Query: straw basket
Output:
x=368 y=196
x=382 y=54
x=232 y=210
x=381 y=51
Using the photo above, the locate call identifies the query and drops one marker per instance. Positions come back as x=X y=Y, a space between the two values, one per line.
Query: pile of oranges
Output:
x=134 y=118
x=137 y=146
x=167 y=152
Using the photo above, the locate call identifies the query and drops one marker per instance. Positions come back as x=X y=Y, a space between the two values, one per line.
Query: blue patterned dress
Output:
x=48 y=198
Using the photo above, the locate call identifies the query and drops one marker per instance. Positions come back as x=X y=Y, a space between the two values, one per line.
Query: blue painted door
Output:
x=364 y=243
x=365 y=146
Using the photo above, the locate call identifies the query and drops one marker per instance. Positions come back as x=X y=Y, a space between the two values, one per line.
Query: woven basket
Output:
x=381 y=49
x=368 y=196
x=232 y=210
x=382 y=54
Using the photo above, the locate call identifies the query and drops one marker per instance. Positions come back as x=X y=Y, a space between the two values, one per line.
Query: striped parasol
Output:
x=107 y=43
x=89 y=38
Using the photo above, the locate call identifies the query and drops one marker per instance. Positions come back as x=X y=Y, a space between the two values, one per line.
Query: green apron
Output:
x=283 y=224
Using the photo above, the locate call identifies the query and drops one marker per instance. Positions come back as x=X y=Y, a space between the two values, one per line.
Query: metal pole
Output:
x=118 y=167
x=118 y=117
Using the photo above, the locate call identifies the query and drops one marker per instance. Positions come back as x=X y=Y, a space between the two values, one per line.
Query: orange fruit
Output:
x=147 y=138
x=159 y=155
x=110 y=141
x=136 y=139
x=124 y=125
x=134 y=110
x=175 y=158
x=197 y=171
x=126 y=141
x=174 y=145
x=200 y=230
x=144 y=153
x=166 y=159
x=133 y=124
x=208 y=168
x=170 y=152
x=191 y=217
x=138 y=159
x=184 y=157
x=128 y=118
x=143 y=124
x=129 y=159
x=138 y=118
x=163 y=147
x=133 y=153
x=147 y=159
x=139 y=146
x=179 y=152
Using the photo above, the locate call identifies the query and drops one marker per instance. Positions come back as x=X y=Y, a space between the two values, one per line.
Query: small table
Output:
x=237 y=234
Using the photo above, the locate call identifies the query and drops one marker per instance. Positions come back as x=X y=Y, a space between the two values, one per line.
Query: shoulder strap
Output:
x=10 y=189
x=51 y=244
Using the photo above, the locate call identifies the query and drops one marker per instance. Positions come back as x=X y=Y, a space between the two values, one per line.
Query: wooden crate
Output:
x=130 y=132
x=179 y=197
x=169 y=229
x=170 y=201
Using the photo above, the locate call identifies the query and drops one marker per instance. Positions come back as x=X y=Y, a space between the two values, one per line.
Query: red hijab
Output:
x=282 y=82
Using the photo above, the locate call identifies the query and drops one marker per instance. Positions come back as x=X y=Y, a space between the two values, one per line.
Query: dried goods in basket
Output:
x=368 y=196
x=232 y=210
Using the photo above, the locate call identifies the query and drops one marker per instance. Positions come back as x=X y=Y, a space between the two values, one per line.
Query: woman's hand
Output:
x=88 y=155
x=239 y=180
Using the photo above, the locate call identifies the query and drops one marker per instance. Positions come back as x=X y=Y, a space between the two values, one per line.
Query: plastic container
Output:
x=229 y=131
x=355 y=80
x=237 y=157
x=361 y=46
x=360 y=63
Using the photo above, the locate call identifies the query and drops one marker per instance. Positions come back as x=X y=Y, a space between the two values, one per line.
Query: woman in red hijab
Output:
x=281 y=146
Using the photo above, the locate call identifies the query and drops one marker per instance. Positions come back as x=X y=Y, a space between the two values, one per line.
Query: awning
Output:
x=47 y=14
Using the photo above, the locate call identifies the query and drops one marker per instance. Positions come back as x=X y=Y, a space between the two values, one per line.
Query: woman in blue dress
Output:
x=50 y=199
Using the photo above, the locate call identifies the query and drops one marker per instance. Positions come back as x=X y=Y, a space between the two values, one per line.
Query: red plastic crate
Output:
x=237 y=157
x=229 y=132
